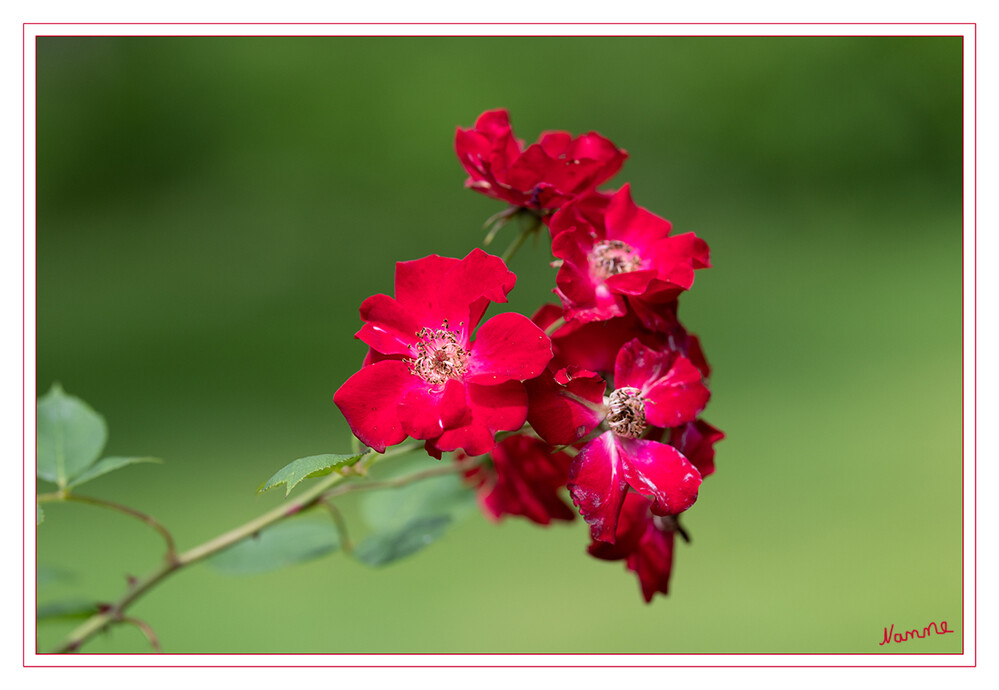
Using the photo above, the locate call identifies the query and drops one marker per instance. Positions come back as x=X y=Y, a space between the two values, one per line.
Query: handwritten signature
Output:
x=899 y=637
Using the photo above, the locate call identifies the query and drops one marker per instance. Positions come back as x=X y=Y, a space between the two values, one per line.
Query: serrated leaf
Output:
x=391 y=509
x=39 y=514
x=286 y=543
x=69 y=609
x=71 y=436
x=106 y=465
x=306 y=468
x=385 y=547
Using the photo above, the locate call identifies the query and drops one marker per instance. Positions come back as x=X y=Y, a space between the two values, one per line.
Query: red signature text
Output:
x=899 y=637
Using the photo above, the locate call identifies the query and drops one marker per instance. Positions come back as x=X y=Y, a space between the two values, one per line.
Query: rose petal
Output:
x=508 y=347
x=652 y=561
x=597 y=485
x=417 y=287
x=661 y=472
x=637 y=366
x=492 y=409
x=369 y=399
x=425 y=411
x=633 y=224
x=633 y=283
x=558 y=418
x=389 y=328
x=696 y=441
x=678 y=397
x=469 y=286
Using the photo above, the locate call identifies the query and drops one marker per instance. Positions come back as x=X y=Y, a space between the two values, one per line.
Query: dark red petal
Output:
x=369 y=400
x=508 y=347
x=633 y=224
x=426 y=411
x=677 y=397
x=696 y=440
x=652 y=561
x=631 y=525
x=597 y=485
x=554 y=410
x=637 y=366
x=469 y=285
x=660 y=472
x=389 y=328
x=525 y=479
x=417 y=287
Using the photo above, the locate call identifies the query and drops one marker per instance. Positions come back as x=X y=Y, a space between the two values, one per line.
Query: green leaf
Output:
x=69 y=609
x=70 y=436
x=47 y=575
x=391 y=509
x=39 y=514
x=107 y=465
x=306 y=468
x=385 y=547
x=286 y=543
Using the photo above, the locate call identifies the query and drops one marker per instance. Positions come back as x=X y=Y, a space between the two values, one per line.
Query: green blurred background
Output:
x=212 y=212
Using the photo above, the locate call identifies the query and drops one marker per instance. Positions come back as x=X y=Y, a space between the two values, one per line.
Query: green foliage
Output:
x=66 y=610
x=39 y=514
x=70 y=436
x=406 y=519
x=391 y=509
x=286 y=543
x=107 y=465
x=385 y=547
x=306 y=468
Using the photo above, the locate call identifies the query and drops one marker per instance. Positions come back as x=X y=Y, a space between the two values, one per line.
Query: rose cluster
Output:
x=600 y=394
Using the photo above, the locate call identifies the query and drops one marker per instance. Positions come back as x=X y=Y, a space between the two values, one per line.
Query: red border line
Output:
x=974 y=28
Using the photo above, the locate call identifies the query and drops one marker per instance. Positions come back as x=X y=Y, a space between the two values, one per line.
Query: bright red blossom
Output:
x=654 y=388
x=544 y=175
x=425 y=376
x=630 y=259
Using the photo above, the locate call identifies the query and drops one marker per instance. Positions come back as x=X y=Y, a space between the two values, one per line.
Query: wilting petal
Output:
x=676 y=397
x=524 y=479
x=554 y=408
x=631 y=525
x=369 y=400
x=389 y=328
x=426 y=411
x=637 y=365
x=597 y=485
x=417 y=287
x=652 y=561
x=660 y=472
x=508 y=347
x=696 y=440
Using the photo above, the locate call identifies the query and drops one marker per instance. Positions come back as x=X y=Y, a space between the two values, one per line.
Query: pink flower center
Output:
x=611 y=257
x=627 y=412
x=439 y=355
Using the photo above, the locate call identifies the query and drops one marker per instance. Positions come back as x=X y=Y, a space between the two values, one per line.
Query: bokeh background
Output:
x=212 y=211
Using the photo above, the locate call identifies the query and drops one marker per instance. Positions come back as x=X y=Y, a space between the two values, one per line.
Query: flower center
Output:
x=627 y=412
x=439 y=355
x=611 y=257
